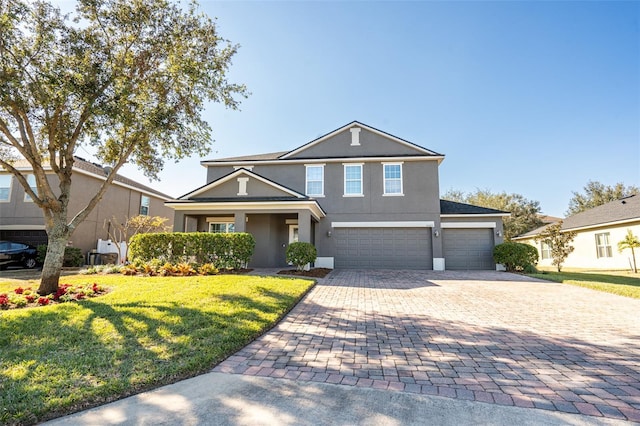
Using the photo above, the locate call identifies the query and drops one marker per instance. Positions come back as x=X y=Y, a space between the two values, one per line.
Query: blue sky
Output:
x=535 y=98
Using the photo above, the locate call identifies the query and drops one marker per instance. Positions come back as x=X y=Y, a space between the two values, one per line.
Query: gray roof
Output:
x=624 y=209
x=453 y=207
x=257 y=157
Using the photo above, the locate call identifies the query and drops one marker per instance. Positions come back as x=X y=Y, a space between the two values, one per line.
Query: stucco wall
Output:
x=118 y=201
x=585 y=254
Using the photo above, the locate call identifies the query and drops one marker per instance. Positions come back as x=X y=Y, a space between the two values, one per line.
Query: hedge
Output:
x=224 y=251
x=515 y=256
x=301 y=254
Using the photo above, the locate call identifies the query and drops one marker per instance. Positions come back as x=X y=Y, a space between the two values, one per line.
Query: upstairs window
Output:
x=315 y=180
x=144 y=205
x=392 y=179
x=5 y=188
x=31 y=180
x=353 y=180
x=603 y=247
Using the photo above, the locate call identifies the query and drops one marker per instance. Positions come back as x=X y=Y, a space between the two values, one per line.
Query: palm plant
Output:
x=630 y=242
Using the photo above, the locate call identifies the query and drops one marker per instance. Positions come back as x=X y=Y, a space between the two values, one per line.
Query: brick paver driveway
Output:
x=488 y=336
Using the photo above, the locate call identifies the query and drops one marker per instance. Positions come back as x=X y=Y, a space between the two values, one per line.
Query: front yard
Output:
x=144 y=333
x=621 y=283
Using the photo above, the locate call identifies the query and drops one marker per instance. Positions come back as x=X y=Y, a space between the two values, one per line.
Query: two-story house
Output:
x=21 y=220
x=363 y=197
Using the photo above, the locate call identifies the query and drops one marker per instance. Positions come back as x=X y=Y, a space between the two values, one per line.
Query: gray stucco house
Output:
x=363 y=197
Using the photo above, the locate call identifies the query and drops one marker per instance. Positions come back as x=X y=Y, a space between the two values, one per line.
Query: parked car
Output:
x=17 y=254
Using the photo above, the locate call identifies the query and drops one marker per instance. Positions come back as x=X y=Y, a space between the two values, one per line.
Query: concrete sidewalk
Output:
x=231 y=399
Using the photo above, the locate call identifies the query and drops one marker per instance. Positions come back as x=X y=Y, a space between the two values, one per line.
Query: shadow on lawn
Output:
x=79 y=355
x=590 y=277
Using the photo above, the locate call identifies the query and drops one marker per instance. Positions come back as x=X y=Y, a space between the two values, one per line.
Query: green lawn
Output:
x=146 y=332
x=623 y=284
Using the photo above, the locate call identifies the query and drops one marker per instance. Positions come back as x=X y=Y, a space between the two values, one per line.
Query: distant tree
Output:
x=524 y=213
x=559 y=242
x=140 y=224
x=595 y=194
x=128 y=78
x=630 y=242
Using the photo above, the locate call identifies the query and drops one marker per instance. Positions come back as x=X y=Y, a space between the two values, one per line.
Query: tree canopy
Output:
x=595 y=194
x=524 y=213
x=128 y=78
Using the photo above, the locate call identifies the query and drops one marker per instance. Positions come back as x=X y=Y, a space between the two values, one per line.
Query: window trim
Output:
x=306 y=179
x=226 y=224
x=608 y=252
x=8 y=200
x=384 y=180
x=545 y=247
x=344 y=168
x=148 y=206
x=27 y=197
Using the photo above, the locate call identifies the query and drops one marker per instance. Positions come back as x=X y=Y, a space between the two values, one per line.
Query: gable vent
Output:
x=242 y=185
x=355 y=136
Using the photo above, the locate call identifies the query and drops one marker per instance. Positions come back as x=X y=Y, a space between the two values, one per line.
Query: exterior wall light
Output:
x=436 y=233
x=499 y=233
x=328 y=233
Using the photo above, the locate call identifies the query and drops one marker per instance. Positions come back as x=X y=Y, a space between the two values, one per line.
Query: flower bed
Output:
x=26 y=297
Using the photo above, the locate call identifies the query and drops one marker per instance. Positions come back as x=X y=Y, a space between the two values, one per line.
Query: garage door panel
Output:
x=468 y=249
x=397 y=248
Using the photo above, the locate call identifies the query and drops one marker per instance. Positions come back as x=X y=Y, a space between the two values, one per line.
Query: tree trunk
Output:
x=53 y=263
x=633 y=254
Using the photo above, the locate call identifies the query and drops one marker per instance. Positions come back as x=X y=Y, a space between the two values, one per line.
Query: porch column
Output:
x=240 y=221
x=304 y=226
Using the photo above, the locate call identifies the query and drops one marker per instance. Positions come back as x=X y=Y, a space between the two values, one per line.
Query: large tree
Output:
x=524 y=213
x=596 y=194
x=129 y=78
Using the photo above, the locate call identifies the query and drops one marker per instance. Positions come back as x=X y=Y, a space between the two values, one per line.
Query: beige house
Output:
x=598 y=232
x=22 y=221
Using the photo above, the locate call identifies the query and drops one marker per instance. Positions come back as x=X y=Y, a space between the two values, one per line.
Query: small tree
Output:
x=141 y=224
x=559 y=242
x=301 y=254
x=630 y=242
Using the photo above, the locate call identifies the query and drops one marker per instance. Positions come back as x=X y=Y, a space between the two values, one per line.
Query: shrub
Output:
x=207 y=269
x=72 y=256
x=300 y=254
x=224 y=251
x=515 y=256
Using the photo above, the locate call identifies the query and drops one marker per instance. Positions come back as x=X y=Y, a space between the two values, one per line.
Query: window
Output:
x=315 y=180
x=144 y=205
x=603 y=247
x=352 y=179
x=392 y=179
x=221 y=227
x=31 y=180
x=545 y=250
x=5 y=187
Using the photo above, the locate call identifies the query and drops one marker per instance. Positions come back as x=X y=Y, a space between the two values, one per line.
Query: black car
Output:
x=17 y=254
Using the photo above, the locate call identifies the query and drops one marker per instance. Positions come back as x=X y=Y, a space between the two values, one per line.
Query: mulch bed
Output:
x=315 y=272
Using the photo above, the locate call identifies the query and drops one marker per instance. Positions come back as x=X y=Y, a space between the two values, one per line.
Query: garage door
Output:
x=468 y=249
x=390 y=248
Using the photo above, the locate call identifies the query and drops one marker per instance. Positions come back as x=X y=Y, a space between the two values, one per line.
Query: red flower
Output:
x=19 y=290
x=4 y=300
x=62 y=290
x=30 y=298
x=79 y=296
x=43 y=301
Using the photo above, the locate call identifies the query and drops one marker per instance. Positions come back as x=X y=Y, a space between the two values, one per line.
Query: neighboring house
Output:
x=598 y=232
x=363 y=197
x=22 y=221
